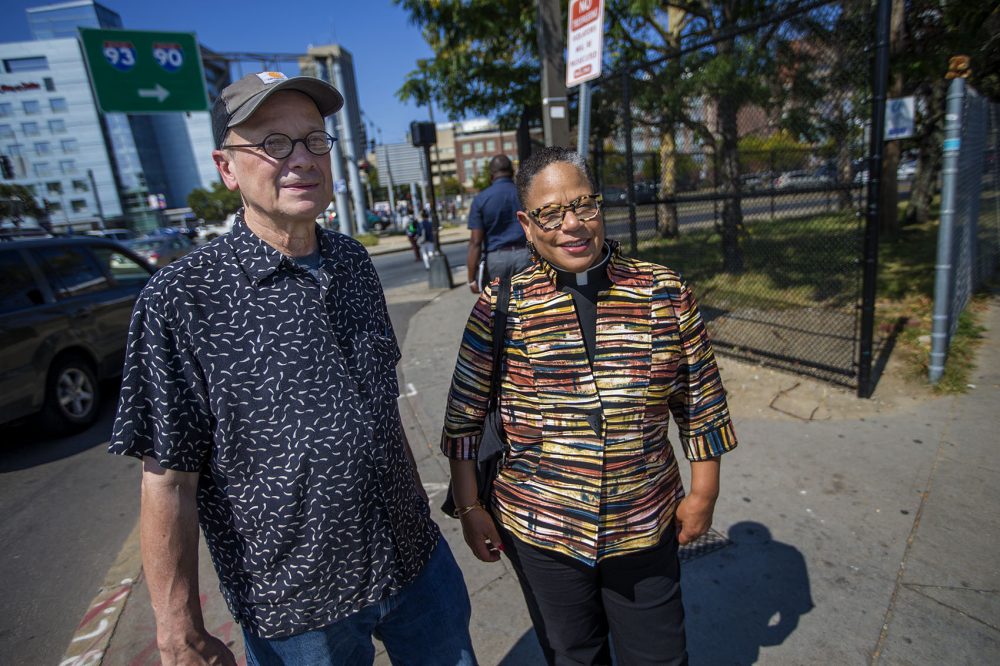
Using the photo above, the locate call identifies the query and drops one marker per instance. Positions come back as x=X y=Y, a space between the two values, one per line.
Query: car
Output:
x=113 y=234
x=613 y=194
x=65 y=307
x=802 y=179
x=161 y=249
x=906 y=170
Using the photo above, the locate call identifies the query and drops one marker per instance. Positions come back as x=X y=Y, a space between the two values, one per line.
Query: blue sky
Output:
x=384 y=44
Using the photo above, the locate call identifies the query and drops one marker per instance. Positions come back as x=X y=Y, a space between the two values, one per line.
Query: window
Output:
x=70 y=145
x=15 y=150
x=479 y=146
x=67 y=167
x=80 y=186
x=6 y=132
x=29 y=129
x=50 y=85
x=54 y=206
x=43 y=148
x=490 y=145
x=123 y=269
x=71 y=270
x=17 y=287
x=31 y=107
x=42 y=169
x=466 y=148
x=469 y=167
x=508 y=146
x=58 y=105
x=16 y=65
x=54 y=187
x=57 y=126
x=78 y=205
x=6 y=109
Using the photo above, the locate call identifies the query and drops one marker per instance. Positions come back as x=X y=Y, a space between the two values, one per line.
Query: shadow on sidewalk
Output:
x=745 y=597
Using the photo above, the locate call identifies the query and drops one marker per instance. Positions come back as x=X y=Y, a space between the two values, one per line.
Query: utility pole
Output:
x=97 y=197
x=555 y=115
x=339 y=182
x=352 y=159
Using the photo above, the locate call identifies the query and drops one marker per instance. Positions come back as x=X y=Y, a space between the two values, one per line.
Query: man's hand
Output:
x=201 y=648
x=693 y=517
x=481 y=534
x=474 y=286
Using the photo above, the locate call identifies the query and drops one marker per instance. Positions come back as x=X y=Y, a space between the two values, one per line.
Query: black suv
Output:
x=65 y=305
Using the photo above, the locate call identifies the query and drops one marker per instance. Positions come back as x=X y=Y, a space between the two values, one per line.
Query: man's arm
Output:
x=413 y=462
x=169 y=538
x=476 y=238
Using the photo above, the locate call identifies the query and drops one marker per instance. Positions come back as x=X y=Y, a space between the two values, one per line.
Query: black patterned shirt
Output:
x=280 y=391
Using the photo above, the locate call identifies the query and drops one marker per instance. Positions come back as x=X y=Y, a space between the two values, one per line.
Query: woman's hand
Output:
x=481 y=534
x=693 y=517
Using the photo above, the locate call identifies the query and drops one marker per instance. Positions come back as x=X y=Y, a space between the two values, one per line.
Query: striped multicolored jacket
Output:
x=590 y=472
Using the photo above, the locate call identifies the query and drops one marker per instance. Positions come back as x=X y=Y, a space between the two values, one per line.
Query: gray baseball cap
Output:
x=239 y=100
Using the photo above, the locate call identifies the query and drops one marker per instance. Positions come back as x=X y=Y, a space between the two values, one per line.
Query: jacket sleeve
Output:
x=470 y=385
x=697 y=398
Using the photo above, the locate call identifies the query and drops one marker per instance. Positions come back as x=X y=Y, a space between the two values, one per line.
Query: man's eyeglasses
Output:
x=550 y=216
x=279 y=146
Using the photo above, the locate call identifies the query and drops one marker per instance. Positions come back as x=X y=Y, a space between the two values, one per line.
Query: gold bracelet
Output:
x=462 y=510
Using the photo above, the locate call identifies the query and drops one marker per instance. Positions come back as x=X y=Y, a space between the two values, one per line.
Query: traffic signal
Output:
x=6 y=167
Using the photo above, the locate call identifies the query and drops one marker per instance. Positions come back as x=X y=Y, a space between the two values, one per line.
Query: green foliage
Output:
x=451 y=186
x=482 y=179
x=214 y=205
x=18 y=201
x=368 y=240
x=777 y=152
x=485 y=58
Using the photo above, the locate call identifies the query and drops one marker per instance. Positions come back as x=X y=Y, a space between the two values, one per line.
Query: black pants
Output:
x=635 y=597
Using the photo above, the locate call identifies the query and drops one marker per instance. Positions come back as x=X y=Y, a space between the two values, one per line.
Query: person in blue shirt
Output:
x=426 y=238
x=496 y=232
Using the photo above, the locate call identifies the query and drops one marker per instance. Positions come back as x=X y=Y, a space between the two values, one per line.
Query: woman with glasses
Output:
x=599 y=351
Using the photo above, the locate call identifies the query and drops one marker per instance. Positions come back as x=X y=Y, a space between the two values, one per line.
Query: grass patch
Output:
x=368 y=240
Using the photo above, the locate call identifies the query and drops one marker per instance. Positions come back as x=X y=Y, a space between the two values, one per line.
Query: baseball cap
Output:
x=237 y=101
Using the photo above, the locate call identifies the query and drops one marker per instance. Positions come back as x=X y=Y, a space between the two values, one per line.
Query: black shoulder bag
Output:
x=492 y=445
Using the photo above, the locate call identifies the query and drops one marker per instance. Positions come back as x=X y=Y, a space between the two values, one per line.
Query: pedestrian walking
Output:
x=496 y=241
x=588 y=503
x=260 y=393
x=412 y=234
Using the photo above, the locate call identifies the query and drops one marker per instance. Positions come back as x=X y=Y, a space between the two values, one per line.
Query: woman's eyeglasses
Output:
x=550 y=216
x=279 y=146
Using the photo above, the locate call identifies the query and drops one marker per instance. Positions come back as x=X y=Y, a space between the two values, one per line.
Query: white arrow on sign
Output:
x=159 y=92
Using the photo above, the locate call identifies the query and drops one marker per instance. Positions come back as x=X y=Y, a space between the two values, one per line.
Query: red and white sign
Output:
x=585 y=41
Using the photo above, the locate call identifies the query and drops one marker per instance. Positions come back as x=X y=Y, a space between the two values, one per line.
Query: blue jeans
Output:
x=427 y=622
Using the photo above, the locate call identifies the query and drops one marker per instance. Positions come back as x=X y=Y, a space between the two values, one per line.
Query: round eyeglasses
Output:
x=279 y=146
x=550 y=216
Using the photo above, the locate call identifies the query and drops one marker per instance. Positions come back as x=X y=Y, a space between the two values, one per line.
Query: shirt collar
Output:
x=259 y=260
x=621 y=273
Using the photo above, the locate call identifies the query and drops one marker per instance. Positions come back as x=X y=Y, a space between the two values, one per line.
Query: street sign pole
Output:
x=135 y=71
x=584 y=49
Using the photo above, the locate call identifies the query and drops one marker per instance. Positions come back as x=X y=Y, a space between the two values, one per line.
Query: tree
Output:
x=482 y=179
x=17 y=201
x=450 y=186
x=485 y=62
x=215 y=204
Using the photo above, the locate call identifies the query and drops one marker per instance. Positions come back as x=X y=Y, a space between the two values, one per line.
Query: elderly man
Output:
x=260 y=393
x=494 y=227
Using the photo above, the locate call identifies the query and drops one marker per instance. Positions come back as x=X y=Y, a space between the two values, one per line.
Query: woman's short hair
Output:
x=542 y=158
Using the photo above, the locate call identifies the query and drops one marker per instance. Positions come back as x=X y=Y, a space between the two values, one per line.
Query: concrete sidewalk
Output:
x=848 y=531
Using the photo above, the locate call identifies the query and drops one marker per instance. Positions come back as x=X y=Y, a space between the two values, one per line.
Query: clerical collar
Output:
x=588 y=276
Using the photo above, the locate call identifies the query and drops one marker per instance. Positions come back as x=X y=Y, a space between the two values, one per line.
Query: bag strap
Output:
x=499 y=331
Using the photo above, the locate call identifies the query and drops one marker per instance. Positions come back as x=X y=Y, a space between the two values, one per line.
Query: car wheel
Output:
x=72 y=395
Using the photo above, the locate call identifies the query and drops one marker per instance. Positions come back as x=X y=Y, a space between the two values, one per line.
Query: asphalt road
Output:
x=66 y=506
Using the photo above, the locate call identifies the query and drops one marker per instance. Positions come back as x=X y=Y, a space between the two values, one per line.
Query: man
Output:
x=494 y=225
x=260 y=392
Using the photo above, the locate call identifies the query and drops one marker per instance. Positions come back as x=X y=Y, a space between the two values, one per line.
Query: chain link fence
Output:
x=739 y=160
x=969 y=235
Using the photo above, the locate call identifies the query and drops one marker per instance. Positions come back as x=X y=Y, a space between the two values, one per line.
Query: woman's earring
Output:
x=533 y=251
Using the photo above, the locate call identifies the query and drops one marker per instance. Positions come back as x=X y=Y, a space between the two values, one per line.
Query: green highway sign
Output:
x=145 y=72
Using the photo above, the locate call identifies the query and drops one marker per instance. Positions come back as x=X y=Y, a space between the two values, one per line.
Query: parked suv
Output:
x=65 y=305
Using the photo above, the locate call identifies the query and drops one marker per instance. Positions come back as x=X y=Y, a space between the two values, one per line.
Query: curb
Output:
x=93 y=635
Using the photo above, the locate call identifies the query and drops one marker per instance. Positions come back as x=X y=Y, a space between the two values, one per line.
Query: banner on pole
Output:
x=585 y=41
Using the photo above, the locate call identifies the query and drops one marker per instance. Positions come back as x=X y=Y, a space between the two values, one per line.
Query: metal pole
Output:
x=339 y=182
x=392 y=188
x=880 y=83
x=943 y=270
x=352 y=159
x=440 y=271
x=583 y=126
x=555 y=119
x=629 y=166
x=97 y=197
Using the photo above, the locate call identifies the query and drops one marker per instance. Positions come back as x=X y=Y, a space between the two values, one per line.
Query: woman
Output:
x=588 y=504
